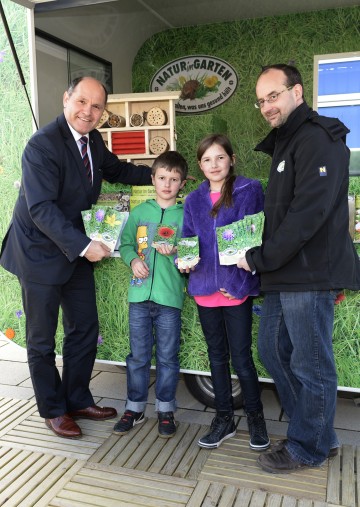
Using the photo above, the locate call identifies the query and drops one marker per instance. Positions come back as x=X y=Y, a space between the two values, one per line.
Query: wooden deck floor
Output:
x=140 y=469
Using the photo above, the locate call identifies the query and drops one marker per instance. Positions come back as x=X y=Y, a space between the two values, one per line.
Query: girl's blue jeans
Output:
x=227 y=331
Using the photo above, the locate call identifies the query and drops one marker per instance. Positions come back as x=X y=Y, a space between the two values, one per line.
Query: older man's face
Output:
x=84 y=107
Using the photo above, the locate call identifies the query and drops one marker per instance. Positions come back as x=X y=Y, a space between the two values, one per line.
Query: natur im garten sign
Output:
x=205 y=82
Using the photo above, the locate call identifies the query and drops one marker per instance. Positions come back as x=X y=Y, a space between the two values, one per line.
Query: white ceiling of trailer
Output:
x=115 y=30
x=177 y=13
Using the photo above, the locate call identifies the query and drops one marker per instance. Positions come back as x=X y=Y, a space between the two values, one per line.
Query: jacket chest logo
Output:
x=281 y=167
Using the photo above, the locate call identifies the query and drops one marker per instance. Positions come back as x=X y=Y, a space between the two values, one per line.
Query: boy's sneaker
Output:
x=221 y=428
x=166 y=425
x=128 y=421
x=259 y=440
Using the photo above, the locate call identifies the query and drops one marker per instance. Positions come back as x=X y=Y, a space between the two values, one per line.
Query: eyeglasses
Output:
x=259 y=104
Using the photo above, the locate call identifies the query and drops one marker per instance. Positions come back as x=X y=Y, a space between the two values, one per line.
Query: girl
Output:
x=223 y=294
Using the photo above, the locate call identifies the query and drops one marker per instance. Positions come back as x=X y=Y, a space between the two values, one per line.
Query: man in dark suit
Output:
x=47 y=249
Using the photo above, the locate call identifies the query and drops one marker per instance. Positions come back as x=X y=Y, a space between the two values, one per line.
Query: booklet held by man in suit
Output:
x=105 y=224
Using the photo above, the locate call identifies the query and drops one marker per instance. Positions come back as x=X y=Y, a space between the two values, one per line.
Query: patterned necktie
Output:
x=85 y=157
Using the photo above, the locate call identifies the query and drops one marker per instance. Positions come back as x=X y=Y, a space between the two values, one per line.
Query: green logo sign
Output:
x=204 y=82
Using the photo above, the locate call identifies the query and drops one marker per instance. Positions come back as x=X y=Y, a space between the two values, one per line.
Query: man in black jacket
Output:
x=306 y=257
x=47 y=249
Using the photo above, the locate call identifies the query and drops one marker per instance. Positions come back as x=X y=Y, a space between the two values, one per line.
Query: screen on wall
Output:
x=337 y=94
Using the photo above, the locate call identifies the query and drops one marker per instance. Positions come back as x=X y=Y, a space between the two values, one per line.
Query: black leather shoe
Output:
x=280 y=462
x=95 y=413
x=64 y=426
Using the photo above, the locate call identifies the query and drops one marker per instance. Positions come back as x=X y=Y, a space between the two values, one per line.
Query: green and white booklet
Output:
x=236 y=238
x=188 y=252
x=165 y=235
x=105 y=224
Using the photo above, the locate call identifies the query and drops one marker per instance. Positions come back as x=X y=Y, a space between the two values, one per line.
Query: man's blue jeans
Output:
x=151 y=323
x=295 y=345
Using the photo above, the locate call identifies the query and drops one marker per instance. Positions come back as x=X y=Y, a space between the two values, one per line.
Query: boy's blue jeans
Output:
x=295 y=346
x=151 y=323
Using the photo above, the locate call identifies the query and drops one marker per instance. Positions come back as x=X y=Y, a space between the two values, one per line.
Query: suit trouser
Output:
x=55 y=395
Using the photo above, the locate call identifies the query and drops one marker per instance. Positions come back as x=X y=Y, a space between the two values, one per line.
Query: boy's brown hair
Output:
x=171 y=161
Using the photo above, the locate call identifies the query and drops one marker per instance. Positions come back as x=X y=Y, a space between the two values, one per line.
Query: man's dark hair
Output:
x=292 y=74
x=77 y=80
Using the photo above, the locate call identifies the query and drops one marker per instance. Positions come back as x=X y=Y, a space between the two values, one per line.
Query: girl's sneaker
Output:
x=128 y=421
x=221 y=428
x=259 y=439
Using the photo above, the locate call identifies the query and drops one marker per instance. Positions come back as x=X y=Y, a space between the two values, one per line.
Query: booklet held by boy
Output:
x=236 y=238
x=188 y=252
x=164 y=235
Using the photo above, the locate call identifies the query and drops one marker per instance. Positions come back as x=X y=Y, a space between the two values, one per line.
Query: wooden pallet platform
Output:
x=143 y=449
x=208 y=494
x=343 y=486
x=32 y=434
x=39 y=469
x=98 y=485
x=234 y=463
x=33 y=478
x=101 y=485
x=12 y=412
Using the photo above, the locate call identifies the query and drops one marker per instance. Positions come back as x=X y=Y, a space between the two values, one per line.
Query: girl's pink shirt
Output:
x=217 y=299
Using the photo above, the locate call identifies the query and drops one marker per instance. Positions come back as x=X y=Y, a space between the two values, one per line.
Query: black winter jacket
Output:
x=306 y=243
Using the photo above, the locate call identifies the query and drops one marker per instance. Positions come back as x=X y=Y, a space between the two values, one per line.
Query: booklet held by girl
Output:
x=188 y=252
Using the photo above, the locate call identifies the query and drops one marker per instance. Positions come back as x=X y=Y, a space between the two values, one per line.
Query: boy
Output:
x=156 y=296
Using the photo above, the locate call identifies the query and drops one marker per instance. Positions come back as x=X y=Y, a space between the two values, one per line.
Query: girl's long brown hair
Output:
x=226 y=189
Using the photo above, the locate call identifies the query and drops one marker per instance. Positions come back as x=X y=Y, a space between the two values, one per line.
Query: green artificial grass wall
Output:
x=246 y=45
x=15 y=130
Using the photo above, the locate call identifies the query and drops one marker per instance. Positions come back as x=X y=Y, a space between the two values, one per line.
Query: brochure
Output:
x=165 y=235
x=236 y=238
x=105 y=224
x=188 y=252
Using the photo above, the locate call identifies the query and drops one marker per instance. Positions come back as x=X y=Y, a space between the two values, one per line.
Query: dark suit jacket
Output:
x=46 y=234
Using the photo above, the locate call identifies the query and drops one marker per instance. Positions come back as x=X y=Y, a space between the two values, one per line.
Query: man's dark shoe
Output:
x=95 y=413
x=280 y=462
x=64 y=426
x=221 y=429
x=259 y=439
x=279 y=444
x=334 y=451
x=128 y=420
x=166 y=424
